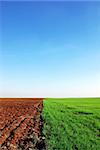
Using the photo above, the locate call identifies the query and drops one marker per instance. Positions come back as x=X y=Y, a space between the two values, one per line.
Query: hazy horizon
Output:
x=50 y=49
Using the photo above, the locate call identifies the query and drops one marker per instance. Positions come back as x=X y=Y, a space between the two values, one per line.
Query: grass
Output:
x=72 y=124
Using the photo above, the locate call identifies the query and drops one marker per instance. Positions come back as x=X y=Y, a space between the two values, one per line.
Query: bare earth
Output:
x=21 y=124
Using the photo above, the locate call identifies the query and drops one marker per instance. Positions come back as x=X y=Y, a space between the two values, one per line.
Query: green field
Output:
x=72 y=124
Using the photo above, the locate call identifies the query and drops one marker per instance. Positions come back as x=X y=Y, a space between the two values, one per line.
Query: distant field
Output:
x=72 y=124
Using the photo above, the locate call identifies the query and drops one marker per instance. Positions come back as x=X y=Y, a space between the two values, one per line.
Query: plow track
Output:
x=21 y=124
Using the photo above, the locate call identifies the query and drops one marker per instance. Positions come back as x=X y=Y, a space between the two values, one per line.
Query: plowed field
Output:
x=21 y=124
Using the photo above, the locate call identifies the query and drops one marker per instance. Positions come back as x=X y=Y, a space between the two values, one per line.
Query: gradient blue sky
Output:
x=50 y=49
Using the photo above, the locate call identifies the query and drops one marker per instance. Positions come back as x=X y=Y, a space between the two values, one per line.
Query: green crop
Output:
x=72 y=124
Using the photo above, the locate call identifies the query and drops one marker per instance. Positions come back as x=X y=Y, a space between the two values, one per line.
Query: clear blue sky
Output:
x=50 y=49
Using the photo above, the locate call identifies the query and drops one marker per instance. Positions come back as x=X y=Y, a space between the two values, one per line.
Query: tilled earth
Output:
x=21 y=124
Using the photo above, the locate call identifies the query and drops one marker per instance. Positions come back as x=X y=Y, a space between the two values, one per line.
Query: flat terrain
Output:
x=72 y=124
x=21 y=124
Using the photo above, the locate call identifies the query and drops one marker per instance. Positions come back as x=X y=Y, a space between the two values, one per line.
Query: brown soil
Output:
x=21 y=124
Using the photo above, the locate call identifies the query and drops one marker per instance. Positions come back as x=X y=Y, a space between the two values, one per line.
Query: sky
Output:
x=49 y=49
